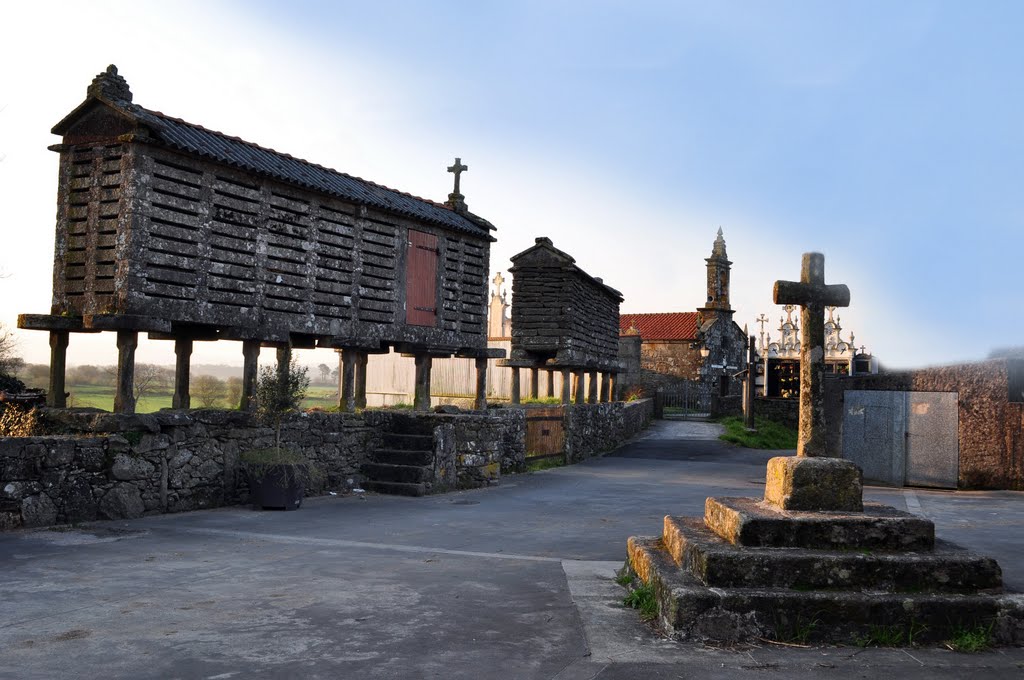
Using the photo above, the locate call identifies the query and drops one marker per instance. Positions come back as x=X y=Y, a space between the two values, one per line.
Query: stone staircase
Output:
x=404 y=464
x=750 y=570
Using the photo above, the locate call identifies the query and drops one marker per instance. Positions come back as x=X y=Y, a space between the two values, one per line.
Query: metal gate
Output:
x=903 y=438
x=685 y=399
x=545 y=432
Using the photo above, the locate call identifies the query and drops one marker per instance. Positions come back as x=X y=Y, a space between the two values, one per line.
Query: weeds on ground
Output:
x=971 y=639
x=797 y=632
x=769 y=434
x=892 y=635
x=642 y=598
x=544 y=463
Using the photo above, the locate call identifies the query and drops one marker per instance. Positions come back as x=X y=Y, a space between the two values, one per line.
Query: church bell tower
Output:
x=718 y=282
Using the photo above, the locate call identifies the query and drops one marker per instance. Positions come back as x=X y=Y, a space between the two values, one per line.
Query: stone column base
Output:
x=805 y=483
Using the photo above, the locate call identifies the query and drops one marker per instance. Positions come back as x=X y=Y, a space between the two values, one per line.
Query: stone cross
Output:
x=813 y=295
x=498 y=281
x=457 y=170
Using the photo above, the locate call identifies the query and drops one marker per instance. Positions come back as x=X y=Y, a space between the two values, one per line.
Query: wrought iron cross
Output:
x=813 y=295
x=457 y=170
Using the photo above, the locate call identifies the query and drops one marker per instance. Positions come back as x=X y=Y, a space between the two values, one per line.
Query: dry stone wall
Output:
x=592 y=429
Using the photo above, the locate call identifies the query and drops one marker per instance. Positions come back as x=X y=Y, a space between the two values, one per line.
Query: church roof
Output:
x=112 y=90
x=662 y=326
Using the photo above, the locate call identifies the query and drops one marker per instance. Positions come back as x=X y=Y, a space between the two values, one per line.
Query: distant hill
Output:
x=222 y=371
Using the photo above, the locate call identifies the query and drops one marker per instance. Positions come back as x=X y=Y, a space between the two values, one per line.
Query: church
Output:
x=704 y=345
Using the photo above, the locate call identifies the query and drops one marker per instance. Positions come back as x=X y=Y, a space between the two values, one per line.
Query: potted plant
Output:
x=278 y=476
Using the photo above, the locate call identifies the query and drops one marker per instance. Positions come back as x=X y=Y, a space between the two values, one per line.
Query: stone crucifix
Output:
x=457 y=170
x=813 y=295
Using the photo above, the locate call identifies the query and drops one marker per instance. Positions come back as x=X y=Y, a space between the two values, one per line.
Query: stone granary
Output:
x=812 y=560
x=562 y=319
x=188 y=234
x=704 y=345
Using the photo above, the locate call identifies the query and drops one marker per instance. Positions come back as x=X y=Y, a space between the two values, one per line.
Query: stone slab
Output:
x=718 y=563
x=690 y=610
x=750 y=522
x=814 y=483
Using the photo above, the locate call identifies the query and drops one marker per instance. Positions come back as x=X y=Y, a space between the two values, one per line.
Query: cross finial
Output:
x=498 y=280
x=457 y=170
x=456 y=201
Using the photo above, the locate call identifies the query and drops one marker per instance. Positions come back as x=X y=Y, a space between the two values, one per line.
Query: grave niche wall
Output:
x=990 y=424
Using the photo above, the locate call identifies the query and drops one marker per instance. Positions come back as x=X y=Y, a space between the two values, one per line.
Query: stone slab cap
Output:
x=753 y=523
x=808 y=484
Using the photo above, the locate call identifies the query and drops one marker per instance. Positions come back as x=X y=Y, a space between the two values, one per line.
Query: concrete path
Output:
x=508 y=582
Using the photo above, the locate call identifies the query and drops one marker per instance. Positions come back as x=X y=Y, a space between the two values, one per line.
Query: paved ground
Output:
x=508 y=582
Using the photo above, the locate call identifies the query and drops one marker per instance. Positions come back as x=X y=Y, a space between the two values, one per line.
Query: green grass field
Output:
x=101 y=397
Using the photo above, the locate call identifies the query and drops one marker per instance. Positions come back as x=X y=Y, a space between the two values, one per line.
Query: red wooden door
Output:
x=421 y=279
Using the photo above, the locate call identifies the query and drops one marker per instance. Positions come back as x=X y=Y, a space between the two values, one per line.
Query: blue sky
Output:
x=887 y=135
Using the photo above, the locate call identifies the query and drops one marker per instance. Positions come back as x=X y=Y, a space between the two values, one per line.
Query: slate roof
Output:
x=238 y=153
x=664 y=326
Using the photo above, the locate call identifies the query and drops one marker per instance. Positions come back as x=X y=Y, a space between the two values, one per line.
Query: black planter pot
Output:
x=277 y=487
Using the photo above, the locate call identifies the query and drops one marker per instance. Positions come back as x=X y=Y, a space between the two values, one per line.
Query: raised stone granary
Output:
x=812 y=561
x=190 y=234
x=562 y=319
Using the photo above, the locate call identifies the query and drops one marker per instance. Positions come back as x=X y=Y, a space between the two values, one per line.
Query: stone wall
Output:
x=107 y=466
x=991 y=426
x=591 y=429
x=784 y=411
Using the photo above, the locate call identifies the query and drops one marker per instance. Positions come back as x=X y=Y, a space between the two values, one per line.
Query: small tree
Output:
x=276 y=398
x=233 y=388
x=208 y=390
x=325 y=372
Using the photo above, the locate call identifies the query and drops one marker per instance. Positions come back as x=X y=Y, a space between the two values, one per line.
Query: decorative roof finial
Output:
x=109 y=85
x=456 y=201
x=719 y=248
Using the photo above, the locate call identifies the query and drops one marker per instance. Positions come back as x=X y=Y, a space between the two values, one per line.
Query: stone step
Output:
x=408 y=442
x=717 y=563
x=753 y=523
x=382 y=472
x=404 y=423
x=402 y=457
x=396 y=488
x=690 y=610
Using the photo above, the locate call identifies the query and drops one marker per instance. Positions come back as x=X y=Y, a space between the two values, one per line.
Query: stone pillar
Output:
x=606 y=392
x=579 y=387
x=421 y=399
x=534 y=383
x=592 y=387
x=250 y=363
x=551 y=383
x=183 y=359
x=748 y=385
x=481 y=383
x=124 y=392
x=57 y=395
x=362 y=359
x=347 y=397
x=566 y=385
x=284 y=362
x=515 y=385
x=615 y=389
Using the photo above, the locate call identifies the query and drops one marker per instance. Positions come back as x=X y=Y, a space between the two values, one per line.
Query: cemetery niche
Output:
x=192 y=235
x=811 y=561
x=564 y=320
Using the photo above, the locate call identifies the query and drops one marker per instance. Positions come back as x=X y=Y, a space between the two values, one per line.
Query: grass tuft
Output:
x=769 y=434
x=642 y=598
x=971 y=640
x=544 y=463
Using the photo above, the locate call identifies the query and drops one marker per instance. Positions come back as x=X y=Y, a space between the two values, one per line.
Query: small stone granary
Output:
x=562 y=319
x=812 y=561
x=188 y=234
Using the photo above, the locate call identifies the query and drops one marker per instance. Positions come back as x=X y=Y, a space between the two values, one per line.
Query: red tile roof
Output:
x=666 y=326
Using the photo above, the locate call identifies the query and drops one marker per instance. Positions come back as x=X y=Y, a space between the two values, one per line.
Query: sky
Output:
x=887 y=136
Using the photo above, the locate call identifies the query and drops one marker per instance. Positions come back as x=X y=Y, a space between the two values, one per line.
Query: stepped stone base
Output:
x=753 y=570
x=749 y=522
x=691 y=610
x=803 y=483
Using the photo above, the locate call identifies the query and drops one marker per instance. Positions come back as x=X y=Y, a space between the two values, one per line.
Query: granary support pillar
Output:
x=362 y=359
x=551 y=383
x=124 y=392
x=579 y=387
x=515 y=388
x=421 y=396
x=592 y=387
x=250 y=362
x=347 y=376
x=182 y=363
x=566 y=385
x=481 y=383
x=57 y=397
x=615 y=390
x=534 y=383
x=284 y=362
x=606 y=392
